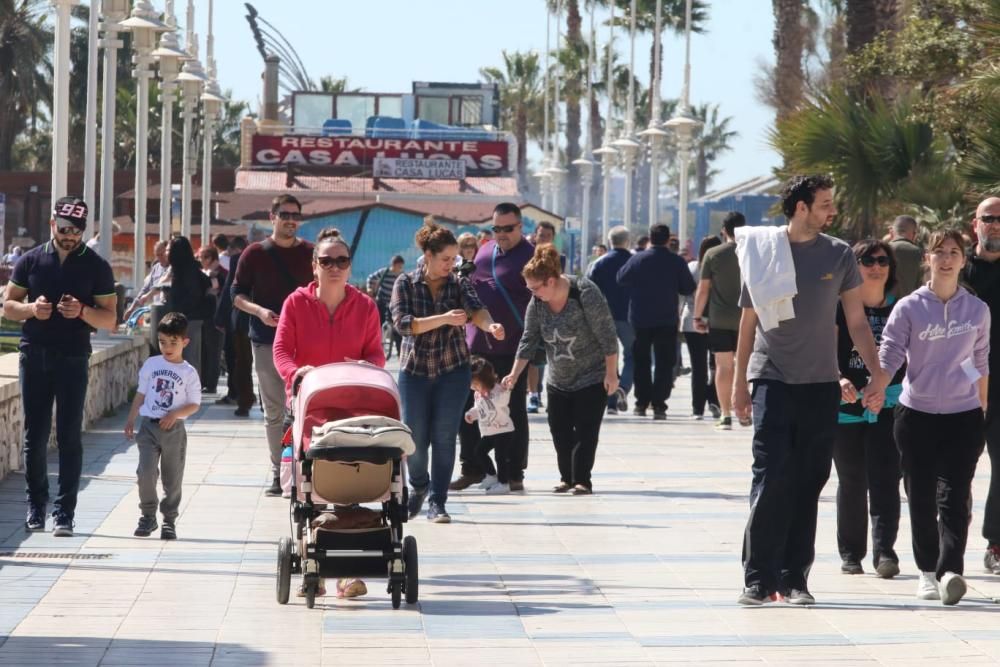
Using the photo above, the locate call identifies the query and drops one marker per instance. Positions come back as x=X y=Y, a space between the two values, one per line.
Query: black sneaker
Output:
x=887 y=567
x=799 y=596
x=715 y=410
x=62 y=525
x=753 y=596
x=659 y=415
x=147 y=524
x=991 y=561
x=275 y=488
x=242 y=412
x=849 y=566
x=35 y=520
x=225 y=400
x=621 y=400
x=516 y=485
x=436 y=513
x=639 y=411
x=168 y=532
x=416 y=502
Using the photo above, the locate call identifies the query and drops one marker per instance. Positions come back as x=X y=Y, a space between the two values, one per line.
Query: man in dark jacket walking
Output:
x=235 y=324
x=604 y=273
x=653 y=279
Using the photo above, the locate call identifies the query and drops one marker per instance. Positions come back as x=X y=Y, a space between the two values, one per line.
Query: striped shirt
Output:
x=380 y=285
x=440 y=350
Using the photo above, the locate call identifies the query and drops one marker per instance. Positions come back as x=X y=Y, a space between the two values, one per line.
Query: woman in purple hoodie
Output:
x=941 y=331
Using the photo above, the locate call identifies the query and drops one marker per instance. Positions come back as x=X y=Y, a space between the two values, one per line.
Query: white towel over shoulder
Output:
x=768 y=271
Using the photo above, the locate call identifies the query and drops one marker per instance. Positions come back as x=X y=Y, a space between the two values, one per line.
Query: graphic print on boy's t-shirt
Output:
x=164 y=390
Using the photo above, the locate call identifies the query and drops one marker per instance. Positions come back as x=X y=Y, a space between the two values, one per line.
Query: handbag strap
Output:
x=503 y=291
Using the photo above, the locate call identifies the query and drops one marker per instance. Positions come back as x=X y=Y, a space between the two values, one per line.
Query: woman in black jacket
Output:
x=189 y=294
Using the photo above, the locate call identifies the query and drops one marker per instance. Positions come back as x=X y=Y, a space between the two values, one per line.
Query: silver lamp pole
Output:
x=211 y=106
x=628 y=147
x=169 y=56
x=60 y=98
x=90 y=122
x=112 y=12
x=557 y=175
x=653 y=134
x=606 y=154
x=191 y=79
x=144 y=26
x=684 y=127
x=583 y=164
x=543 y=173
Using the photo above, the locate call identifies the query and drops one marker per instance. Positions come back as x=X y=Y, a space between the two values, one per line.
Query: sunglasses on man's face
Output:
x=504 y=229
x=289 y=215
x=341 y=263
x=70 y=230
x=989 y=219
x=869 y=261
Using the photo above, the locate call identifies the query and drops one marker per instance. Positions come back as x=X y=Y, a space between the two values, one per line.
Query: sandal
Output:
x=581 y=490
x=351 y=588
x=563 y=487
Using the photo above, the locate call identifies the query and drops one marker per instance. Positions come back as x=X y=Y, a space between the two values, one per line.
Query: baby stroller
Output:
x=348 y=448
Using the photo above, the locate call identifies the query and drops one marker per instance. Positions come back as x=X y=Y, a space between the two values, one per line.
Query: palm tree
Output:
x=24 y=70
x=715 y=139
x=789 y=42
x=520 y=83
x=332 y=84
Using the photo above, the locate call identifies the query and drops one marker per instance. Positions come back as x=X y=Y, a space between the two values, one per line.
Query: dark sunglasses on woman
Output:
x=869 y=261
x=340 y=262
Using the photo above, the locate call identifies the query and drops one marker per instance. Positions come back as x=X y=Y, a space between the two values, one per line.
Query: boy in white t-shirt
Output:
x=492 y=411
x=169 y=390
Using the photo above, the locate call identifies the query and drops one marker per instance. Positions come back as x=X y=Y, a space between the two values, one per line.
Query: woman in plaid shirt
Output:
x=430 y=308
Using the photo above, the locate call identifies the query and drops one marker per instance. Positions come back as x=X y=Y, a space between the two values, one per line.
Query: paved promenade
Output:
x=644 y=572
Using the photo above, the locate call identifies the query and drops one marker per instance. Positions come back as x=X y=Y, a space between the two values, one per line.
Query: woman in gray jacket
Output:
x=571 y=318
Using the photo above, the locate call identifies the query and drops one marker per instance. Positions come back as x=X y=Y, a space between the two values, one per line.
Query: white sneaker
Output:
x=488 y=481
x=927 y=586
x=498 y=489
x=952 y=588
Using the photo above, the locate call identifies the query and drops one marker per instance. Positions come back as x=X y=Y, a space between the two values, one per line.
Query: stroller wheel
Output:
x=410 y=568
x=284 y=581
x=396 y=588
x=311 y=588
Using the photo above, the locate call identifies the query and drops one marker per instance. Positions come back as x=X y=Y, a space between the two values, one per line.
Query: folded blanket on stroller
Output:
x=368 y=431
x=350 y=517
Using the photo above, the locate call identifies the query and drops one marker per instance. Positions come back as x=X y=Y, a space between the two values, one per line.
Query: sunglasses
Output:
x=870 y=261
x=504 y=229
x=989 y=219
x=70 y=230
x=341 y=263
x=288 y=215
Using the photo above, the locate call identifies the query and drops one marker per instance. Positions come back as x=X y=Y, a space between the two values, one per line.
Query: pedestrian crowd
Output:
x=873 y=358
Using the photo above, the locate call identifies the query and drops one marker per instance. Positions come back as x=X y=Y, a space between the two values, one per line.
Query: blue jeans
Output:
x=432 y=408
x=626 y=335
x=47 y=376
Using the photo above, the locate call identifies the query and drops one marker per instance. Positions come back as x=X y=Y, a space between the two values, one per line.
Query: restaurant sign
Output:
x=398 y=167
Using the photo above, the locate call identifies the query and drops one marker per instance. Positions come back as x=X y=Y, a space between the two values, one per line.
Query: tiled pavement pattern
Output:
x=644 y=572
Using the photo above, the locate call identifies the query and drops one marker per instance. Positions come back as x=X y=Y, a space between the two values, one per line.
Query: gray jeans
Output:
x=161 y=454
x=272 y=394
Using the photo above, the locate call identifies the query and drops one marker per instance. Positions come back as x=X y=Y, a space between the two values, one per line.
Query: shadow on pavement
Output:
x=46 y=650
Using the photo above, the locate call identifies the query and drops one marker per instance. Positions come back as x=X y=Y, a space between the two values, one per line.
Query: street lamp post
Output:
x=653 y=134
x=144 y=26
x=684 y=128
x=191 y=79
x=544 y=178
x=557 y=175
x=628 y=147
x=112 y=11
x=585 y=166
x=606 y=154
x=90 y=121
x=212 y=104
x=169 y=57
x=60 y=98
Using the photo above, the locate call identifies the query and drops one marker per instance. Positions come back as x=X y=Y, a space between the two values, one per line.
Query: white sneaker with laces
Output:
x=488 y=481
x=498 y=489
x=952 y=588
x=927 y=586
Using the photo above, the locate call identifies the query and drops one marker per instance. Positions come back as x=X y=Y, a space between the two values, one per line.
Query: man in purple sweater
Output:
x=500 y=286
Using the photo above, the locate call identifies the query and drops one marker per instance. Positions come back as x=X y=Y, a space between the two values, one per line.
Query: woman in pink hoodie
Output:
x=325 y=322
x=942 y=332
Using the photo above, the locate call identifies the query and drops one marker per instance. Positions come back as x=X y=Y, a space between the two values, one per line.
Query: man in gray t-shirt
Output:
x=796 y=395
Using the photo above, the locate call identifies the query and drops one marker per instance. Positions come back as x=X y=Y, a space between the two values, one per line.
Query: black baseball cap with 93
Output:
x=73 y=210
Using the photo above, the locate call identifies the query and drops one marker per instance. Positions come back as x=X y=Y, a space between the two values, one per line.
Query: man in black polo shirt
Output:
x=71 y=292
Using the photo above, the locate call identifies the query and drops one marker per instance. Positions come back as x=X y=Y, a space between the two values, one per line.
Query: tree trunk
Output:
x=861 y=25
x=596 y=141
x=573 y=90
x=521 y=137
x=788 y=45
x=701 y=173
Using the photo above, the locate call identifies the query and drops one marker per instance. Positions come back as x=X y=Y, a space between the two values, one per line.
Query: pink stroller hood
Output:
x=342 y=390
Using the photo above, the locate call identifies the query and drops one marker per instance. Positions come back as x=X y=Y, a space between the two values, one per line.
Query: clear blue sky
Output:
x=384 y=45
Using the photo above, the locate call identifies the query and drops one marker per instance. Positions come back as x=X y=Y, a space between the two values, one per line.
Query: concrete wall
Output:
x=114 y=370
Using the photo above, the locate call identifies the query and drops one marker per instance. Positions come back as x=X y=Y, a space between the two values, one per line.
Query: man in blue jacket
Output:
x=653 y=279
x=604 y=273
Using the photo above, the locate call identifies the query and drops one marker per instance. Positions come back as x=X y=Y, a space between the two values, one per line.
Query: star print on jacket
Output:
x=562 y=345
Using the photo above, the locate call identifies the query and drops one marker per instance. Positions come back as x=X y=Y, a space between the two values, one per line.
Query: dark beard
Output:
x=68 y=245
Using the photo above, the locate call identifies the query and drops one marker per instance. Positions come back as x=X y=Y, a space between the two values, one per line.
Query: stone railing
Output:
x=114 y=371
